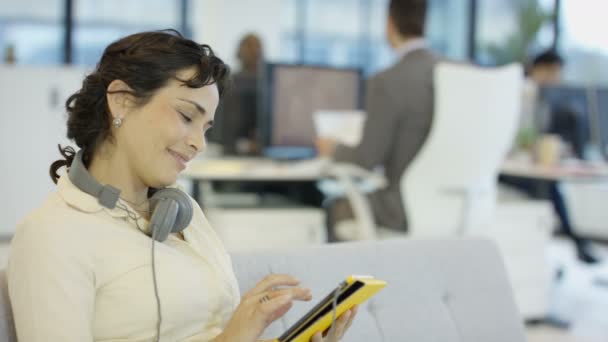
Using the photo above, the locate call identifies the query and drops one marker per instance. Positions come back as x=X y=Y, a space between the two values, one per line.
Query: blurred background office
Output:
x=261 y=187
x=236 y=125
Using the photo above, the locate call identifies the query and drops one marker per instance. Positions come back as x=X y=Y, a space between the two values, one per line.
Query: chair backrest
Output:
x=448 y=290
x=7 y=325
x=450 y=186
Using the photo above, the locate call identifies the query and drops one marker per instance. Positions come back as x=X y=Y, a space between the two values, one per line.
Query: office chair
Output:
x=450 y=188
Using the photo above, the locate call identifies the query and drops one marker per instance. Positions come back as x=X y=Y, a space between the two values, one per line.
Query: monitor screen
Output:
x=569 y=117
x=602 y=110
x=295 y=92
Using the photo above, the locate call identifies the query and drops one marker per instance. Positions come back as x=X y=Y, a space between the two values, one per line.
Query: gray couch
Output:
x=438 y=291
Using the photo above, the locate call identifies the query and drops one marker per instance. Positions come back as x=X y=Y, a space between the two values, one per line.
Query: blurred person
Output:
x=238 y=122
x=546 y=68
x=399 y=107
x=564 y=121
x=80 y=267
x=9 y=54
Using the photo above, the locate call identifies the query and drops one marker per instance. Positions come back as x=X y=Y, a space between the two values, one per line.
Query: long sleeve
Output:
x=379 y=130
x=51 y=287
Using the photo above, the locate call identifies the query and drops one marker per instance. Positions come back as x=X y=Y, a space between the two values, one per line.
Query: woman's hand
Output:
x=261 y=306
x=342 y=324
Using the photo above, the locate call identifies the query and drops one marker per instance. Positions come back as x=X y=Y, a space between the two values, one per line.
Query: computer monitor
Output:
x=602 y=111
x=291 y=94
x=569 y=115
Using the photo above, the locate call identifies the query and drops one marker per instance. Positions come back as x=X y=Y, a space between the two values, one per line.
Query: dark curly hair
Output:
x=146 y=62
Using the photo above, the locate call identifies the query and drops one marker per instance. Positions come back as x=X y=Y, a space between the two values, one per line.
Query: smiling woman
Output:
x=84 y=254
x=140 y=85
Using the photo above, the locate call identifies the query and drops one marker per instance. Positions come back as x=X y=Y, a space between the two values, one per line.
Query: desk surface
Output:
x=255 y=169
x=575 y=171
x=261 y=169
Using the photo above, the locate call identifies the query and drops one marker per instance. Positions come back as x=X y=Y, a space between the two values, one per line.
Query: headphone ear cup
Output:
x=163 y=219
x=171 y=212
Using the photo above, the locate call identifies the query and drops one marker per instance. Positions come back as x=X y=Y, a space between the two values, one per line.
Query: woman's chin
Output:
x=164 y=181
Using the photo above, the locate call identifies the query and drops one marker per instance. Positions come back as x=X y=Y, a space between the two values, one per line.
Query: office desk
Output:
x=578 y=171
x=259 y=170
x=267 y=170
x=578 y=193
x=262 y=170
x=255 y=169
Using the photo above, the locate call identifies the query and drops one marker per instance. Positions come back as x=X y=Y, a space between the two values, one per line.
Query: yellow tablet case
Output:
x=353 y=291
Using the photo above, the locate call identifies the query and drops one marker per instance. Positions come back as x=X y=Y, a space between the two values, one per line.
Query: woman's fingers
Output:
x=318 y=337
x=353 y=310
x=298 y=293
x=274 y=280
x=274 y=308
x=341 y=325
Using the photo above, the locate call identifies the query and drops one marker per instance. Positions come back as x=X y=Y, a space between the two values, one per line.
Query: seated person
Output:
x=80 y=267
x=237 y=131
x=546 y=70
x=399 y=106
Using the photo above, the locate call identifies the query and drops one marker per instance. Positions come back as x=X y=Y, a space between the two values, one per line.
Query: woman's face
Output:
x=160 y=137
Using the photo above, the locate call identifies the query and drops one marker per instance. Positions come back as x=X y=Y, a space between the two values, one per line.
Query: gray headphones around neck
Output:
x=171 y=208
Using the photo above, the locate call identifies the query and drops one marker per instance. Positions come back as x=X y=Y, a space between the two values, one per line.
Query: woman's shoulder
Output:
x=53 y=221
x=49 y=237
x=199 y=220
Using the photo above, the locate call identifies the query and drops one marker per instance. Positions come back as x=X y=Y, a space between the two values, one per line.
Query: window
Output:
x=32 y=32
x=584 y=42
x=513 y=30
x=447 y=27
x=333 y=40
x=446 y=31
x=98 y=23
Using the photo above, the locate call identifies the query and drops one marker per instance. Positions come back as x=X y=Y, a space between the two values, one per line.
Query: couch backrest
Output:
x=438 y=290
x=7 y=326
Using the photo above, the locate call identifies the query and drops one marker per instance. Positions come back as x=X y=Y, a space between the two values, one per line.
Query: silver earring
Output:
x=117 y=122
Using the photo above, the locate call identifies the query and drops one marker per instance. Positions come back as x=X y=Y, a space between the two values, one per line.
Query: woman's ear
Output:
x=120 y=98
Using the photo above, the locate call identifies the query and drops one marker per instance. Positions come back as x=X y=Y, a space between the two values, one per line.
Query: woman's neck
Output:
x=112 y=168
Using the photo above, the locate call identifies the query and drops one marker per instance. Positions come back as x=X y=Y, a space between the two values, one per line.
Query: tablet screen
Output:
x=319 y=310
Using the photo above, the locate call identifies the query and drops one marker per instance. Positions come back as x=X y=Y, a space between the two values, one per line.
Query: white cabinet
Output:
x=250 y=229
x=32 y=123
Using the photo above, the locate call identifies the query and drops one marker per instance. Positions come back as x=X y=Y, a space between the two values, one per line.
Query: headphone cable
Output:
x=334 y=305
x=158 y=310
x=159 y=320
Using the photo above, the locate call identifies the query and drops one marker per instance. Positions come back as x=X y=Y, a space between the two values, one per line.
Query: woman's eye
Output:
x=185 y=117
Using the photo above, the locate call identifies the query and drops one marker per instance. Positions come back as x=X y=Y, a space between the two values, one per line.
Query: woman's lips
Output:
x=181 y=160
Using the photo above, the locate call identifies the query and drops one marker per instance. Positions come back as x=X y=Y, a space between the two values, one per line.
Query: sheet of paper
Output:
x=344 y=126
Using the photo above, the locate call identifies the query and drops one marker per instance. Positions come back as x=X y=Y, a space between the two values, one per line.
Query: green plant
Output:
x=530 y=18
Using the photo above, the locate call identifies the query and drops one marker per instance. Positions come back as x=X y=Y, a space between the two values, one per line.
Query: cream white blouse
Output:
x=81 y=272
